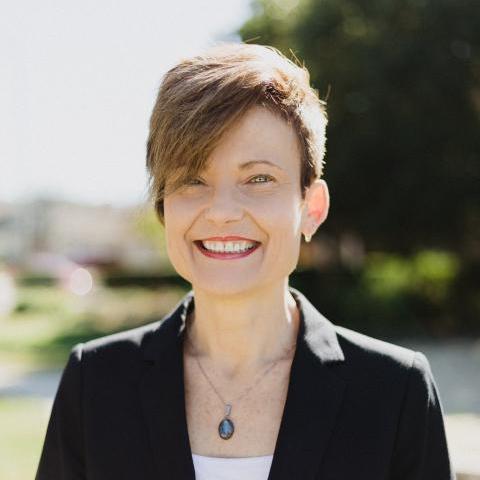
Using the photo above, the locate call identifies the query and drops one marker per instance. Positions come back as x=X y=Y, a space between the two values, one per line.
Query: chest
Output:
x=256 y=414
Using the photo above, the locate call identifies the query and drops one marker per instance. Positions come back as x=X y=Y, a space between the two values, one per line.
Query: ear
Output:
x=316 y=205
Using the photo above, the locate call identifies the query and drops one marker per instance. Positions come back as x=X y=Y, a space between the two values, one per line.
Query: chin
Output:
x=222 y=287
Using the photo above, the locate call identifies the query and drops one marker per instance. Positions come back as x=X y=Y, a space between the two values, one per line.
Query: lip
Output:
x=224 y=256
x=228 y=238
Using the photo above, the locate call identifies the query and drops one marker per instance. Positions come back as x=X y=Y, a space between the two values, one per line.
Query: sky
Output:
x=78 y=80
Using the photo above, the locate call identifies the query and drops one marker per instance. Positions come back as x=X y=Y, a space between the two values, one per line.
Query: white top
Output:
x=241 y=468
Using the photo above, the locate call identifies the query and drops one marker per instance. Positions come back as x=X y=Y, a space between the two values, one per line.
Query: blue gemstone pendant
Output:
x=226 y=427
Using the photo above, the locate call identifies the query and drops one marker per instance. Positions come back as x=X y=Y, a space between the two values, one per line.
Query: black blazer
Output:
x=356 y=408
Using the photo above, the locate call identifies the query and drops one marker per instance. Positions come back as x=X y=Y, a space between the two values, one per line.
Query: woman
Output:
x=244 y=378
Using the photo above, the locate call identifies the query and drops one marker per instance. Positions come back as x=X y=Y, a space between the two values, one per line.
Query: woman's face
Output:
x=257 y=201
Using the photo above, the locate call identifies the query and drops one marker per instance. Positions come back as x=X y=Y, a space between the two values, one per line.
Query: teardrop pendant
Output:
x=226 y=426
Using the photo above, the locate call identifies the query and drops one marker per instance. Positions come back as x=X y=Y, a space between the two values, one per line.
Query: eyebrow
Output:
x=251 y=163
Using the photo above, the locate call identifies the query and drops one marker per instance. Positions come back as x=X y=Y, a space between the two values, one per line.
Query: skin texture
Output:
x=244 y=315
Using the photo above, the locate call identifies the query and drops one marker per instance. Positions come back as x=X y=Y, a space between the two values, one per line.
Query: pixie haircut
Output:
x=201 y=97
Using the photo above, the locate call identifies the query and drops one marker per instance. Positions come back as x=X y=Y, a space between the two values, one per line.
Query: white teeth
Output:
x=228 y=247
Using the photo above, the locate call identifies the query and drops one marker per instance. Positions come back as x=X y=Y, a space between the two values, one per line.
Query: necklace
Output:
x=226 y=426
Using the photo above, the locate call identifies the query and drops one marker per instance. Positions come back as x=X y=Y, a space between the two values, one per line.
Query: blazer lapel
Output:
x=314 y=396
x=313 y=400
x=163 y=397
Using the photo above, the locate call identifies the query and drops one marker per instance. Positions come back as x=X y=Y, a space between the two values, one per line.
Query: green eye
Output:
x=268 y=177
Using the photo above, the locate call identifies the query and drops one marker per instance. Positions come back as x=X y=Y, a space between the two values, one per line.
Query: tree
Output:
x=403 y=84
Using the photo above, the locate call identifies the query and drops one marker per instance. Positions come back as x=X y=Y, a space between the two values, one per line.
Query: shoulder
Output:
x=391 y=372
x=115 y=362
x=128 y=341
x=365 y=347
x=369 y=358
x=132 y=347
x=392 y=388
x=120 y=354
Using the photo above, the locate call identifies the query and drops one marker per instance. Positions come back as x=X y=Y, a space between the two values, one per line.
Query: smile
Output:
x=225 y=255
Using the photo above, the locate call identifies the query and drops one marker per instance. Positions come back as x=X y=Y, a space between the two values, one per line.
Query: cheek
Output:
x=288 y=238
x=177 y=224
x=283 y=248
x=178 y=214
x=284 y=220
x=177 y=248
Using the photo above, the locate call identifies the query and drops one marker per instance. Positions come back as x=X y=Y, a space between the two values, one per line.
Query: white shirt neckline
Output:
x=232 y=468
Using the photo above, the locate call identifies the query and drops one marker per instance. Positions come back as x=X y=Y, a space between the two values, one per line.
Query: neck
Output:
x=241 y=335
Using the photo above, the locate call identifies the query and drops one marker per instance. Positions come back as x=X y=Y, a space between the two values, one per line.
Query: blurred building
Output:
x=100 y=235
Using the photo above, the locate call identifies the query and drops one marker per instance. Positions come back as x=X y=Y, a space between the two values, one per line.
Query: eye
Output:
x=268 y=177
x=191 y=182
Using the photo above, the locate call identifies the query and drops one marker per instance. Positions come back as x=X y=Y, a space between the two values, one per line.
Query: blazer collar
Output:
x=314 y=395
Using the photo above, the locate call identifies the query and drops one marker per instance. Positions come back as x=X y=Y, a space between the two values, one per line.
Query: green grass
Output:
x=23 y=425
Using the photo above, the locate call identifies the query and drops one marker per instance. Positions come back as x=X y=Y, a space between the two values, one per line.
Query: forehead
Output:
x=258 y=135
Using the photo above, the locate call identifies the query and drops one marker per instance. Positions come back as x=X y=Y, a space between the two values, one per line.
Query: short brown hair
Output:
x=202 y=96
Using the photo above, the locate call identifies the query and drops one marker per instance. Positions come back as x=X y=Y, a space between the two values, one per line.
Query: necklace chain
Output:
x=249 y=388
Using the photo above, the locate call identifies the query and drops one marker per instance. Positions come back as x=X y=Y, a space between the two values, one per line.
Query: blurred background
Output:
x=82 y=254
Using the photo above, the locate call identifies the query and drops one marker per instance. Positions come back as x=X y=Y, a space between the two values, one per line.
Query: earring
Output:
x=307 y=238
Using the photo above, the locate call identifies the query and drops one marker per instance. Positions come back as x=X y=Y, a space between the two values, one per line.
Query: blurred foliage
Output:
x=392 y=295
x=430 y=273
x=403 y=85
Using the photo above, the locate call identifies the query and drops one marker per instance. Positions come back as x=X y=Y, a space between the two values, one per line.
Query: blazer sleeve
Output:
x=421 y=449
x=62 y=455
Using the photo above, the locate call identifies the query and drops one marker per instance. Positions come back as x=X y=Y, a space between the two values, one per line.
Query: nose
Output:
x=223 y=207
